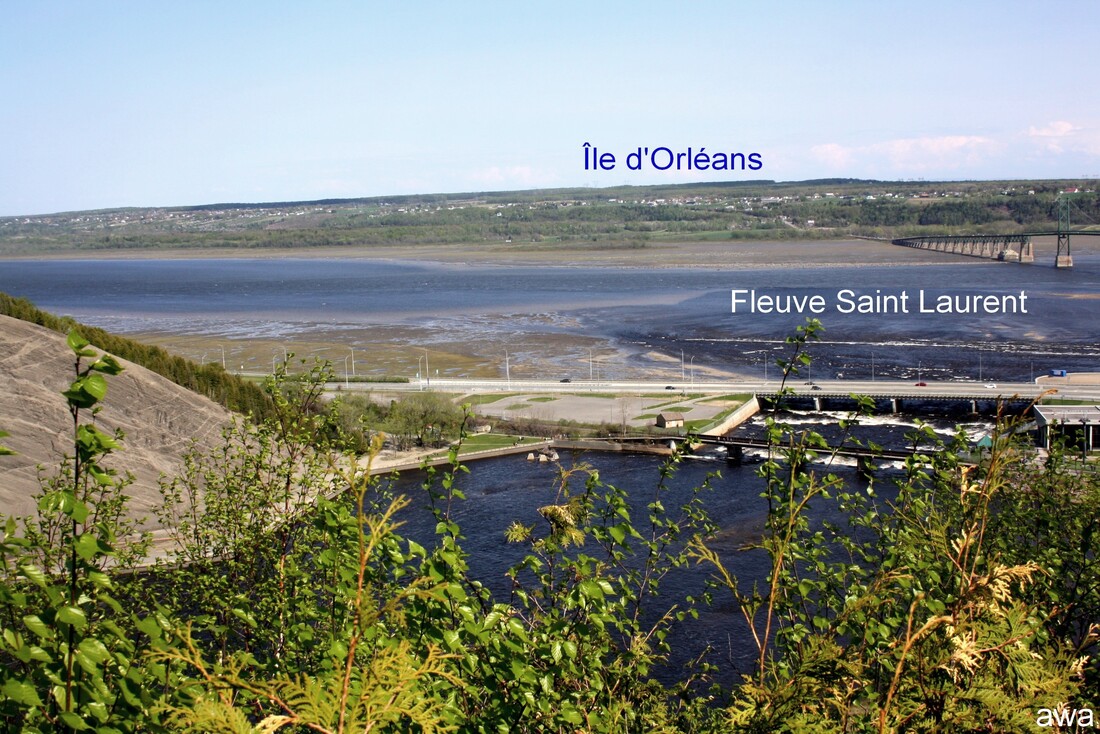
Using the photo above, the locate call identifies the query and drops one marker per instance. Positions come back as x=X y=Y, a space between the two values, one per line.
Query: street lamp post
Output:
x=692 y=367
x=419 y=374
x=507 y=370
x=346 y=381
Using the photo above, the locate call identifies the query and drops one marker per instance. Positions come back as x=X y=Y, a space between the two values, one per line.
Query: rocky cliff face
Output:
x=159 y=419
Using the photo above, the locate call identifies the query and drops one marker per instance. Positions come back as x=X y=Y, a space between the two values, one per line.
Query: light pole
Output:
x=507 y=370
x=681 y=365
x=427 y=370
x=223 y=358
x=352 y=361
x=419 y=374
x=346 y=382
x=203 y=362
x=692 y=365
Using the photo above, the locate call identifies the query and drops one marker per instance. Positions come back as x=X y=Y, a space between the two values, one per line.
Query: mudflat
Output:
x=725 y=254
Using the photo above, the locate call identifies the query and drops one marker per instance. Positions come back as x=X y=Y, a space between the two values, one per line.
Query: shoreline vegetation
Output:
x=615 y=225
x=948 y=597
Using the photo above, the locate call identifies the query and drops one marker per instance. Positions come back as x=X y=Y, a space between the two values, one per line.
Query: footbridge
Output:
x=735 y=448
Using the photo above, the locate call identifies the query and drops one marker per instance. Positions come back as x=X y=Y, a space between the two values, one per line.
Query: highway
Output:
x=820 y=388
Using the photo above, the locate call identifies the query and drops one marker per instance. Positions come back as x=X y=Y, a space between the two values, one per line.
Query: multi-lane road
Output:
x=822 y=388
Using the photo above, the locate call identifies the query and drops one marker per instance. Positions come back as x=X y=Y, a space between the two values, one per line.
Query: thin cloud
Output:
x=909 y=155
x=1062 y=136
x=524 y=176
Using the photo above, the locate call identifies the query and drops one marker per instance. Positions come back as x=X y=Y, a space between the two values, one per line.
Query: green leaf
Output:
x=35 y=575
x=451 y=638
x=87 y=545
x=108 y=365
x=74 y=721
x=618 y=533
x=86 y=391
x=73 y=616
x=74 y=508
x=95 y=385
x=93 y=649
x=22 y=693
x=77 y=343
x=37 y=626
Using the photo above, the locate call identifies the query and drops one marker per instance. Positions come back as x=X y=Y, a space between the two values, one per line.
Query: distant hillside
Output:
x=597 y=217
x=160 y=419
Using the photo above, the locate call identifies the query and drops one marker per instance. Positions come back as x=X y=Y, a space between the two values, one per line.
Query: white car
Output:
x=991 y=386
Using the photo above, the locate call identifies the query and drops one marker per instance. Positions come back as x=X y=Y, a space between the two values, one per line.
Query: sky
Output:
x=113 y=104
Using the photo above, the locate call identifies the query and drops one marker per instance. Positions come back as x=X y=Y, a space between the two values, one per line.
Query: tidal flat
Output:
x=554 y=312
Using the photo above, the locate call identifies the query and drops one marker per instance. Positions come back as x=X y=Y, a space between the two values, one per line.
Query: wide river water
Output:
x=639 y=311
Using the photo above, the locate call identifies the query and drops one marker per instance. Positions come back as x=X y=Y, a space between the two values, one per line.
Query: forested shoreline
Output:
x=632 y=217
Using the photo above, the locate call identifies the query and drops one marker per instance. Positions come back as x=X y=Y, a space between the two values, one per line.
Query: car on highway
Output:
x=990 y=386
x=921 y=384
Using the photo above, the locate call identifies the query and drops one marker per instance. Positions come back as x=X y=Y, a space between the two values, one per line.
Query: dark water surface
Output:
x=667 y=310
x=502 y=490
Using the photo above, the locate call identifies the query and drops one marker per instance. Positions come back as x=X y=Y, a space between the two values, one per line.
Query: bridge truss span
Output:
x=1006 y=247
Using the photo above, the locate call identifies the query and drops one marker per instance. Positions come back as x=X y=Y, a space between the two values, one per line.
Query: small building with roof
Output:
x=670 y=420
x=1076 y=424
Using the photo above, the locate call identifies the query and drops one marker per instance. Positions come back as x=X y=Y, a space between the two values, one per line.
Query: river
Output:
x=549 y=318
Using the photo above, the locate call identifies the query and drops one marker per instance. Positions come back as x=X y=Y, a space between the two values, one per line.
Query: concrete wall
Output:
x=736 y=418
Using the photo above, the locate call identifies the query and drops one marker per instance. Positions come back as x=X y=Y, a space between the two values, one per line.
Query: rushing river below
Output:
x=502 y=490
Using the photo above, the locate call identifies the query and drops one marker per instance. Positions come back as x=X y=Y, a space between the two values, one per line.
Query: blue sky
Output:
x=163 y=104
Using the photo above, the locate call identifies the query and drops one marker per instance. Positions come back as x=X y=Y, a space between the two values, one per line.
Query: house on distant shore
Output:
x=670 y=420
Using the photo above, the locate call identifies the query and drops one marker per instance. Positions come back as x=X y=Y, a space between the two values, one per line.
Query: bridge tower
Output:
x=1063 y=259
